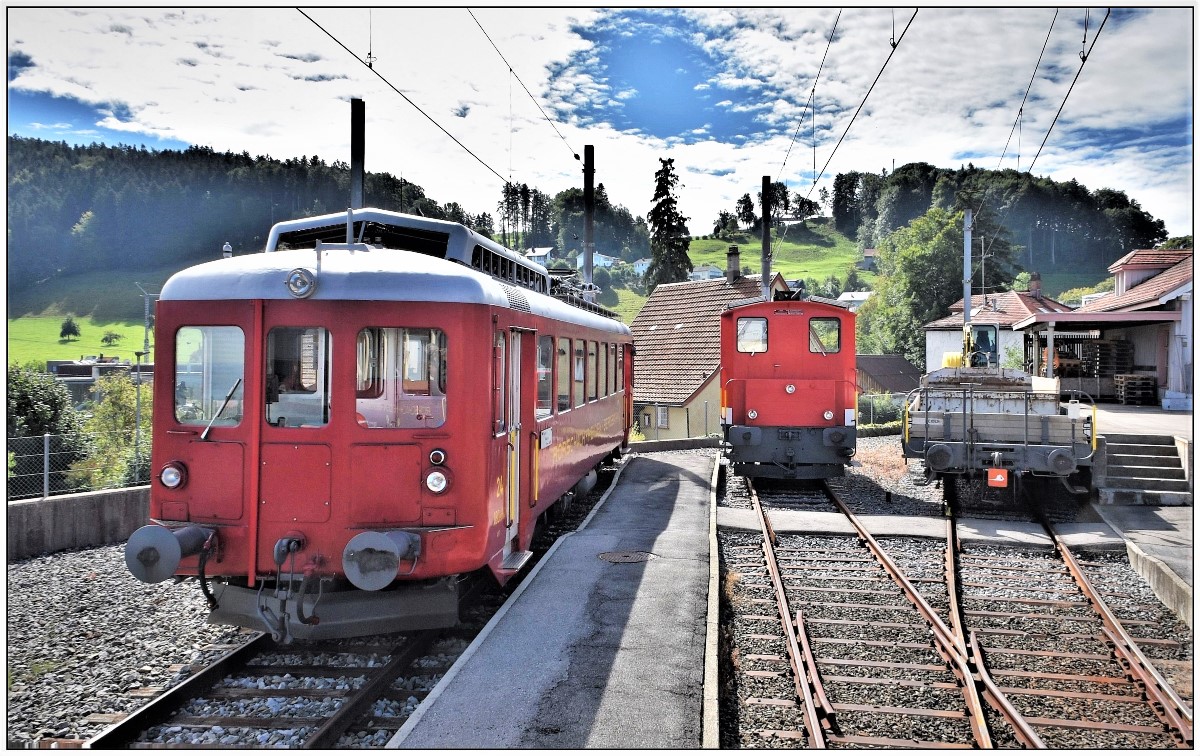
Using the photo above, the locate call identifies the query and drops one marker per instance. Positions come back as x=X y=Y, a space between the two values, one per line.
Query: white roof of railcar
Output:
x=367 y=274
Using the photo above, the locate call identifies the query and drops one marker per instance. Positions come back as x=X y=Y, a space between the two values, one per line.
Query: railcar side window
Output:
x=580 y=371
x=593 y=371
x=499 y=380
x=564 y=375
x=752 y=335
x=401 y=378
x=209 y=361
x=545 y=375
x=825 y=335
x=298 y=373
x=620 y=368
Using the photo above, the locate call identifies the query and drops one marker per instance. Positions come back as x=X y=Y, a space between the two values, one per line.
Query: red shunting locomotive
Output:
x=377 y=405
x=788 y=387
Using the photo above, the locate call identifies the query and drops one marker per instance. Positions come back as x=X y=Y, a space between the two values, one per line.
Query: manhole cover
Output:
x=625 y=557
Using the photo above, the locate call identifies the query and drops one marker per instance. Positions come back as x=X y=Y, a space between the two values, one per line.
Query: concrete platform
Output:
x=591 y=653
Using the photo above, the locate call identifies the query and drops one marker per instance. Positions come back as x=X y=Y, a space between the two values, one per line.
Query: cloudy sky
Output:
x=725 y=92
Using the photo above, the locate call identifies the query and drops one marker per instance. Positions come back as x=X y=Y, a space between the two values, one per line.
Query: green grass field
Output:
x=35 y=339
x=813 y=252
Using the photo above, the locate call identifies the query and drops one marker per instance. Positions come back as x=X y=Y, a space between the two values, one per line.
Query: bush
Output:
x=880 y=409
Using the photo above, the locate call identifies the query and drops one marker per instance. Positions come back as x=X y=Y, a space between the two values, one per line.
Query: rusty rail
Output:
x=805 y=677
x=1164 y=701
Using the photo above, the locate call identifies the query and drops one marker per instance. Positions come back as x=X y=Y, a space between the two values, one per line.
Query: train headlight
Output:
x=173 y=475
x=752 y=414
x=791 y=389
x=437 y=481
x=301 y=283
x=828 y=415
x=437 y=457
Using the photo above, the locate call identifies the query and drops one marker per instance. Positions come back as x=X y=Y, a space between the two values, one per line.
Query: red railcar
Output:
x=788 y=388
x=344 y=430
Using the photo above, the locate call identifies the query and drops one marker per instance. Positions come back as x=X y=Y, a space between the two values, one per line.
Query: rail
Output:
x=1166 y=703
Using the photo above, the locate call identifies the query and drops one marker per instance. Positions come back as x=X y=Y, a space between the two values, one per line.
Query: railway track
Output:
x=306 y=695
x=1075 y=670
x=866 y=648
x=349 y=693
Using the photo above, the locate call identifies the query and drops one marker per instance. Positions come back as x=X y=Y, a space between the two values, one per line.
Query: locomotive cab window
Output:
x=209 y=362
x=298 y=377
x=401 y=378
x=752 y=335
x=825 y=335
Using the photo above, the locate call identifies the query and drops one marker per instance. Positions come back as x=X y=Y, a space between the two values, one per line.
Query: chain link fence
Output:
x=51 y=464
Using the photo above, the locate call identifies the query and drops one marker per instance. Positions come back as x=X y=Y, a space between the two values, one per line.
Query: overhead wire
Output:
x=811 y=96
x=1083 y=55
x=895 y=43
x=406 y=97
x=1017 y=121
x=518 y=78
x=1082 y=62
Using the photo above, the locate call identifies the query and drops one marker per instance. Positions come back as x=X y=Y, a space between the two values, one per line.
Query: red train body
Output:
x=342 y=432
x=789 y=396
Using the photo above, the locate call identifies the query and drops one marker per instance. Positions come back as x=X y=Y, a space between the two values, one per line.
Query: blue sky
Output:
x=722 y=91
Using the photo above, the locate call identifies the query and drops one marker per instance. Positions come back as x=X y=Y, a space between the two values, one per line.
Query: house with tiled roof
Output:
x=1004 y=309
x=677 y=354
x=1149 y=313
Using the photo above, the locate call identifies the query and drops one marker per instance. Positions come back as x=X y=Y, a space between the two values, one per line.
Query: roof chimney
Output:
x=733 y=264
x=1035 y=285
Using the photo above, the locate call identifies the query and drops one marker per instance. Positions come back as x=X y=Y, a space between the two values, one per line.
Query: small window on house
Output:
x=664 y=417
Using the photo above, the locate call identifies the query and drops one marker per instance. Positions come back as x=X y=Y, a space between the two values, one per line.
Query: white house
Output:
x=854 y=299
x=705 y=272
x=641 y=266
x=539 y=255
x=598 y=260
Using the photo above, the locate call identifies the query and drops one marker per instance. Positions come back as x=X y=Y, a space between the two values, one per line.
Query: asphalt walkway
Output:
x=603 y=645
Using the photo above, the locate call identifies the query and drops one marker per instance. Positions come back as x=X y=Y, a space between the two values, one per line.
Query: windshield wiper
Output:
x=224 y=404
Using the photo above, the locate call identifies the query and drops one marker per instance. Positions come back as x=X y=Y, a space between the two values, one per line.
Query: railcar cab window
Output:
x=752 y=335
x=209 y=361
x=825 y=335
x=297 y=377
x=401 y=378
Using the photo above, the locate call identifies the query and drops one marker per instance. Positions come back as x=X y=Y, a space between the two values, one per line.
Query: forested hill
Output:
x=76 y=209
x=1051 y=226
x=79 y=209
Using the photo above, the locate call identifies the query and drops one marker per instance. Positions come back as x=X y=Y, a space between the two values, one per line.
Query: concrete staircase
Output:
x=1143 y=470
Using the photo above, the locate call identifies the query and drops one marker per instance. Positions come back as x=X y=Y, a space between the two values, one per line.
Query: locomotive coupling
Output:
x=371 y=559
x=153 y=552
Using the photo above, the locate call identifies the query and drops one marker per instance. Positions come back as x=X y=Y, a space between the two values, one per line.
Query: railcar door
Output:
x=513 y=467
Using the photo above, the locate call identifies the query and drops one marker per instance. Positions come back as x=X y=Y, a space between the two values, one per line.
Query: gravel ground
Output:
x=84 y=635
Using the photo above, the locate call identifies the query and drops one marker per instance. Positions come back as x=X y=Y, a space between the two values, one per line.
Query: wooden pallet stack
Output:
x=1107 y=358
x=1133 y=388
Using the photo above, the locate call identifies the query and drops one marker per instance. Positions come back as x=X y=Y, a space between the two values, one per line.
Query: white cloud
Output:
x=268 y=81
